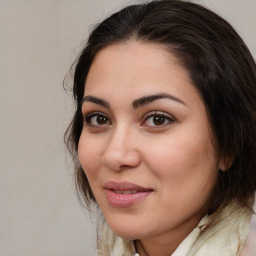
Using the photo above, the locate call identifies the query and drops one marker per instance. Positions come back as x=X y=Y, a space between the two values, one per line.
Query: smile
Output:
x=125 y=194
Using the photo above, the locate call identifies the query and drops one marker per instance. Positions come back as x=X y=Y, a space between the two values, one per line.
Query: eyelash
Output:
x=88 y=118
x=168 y=119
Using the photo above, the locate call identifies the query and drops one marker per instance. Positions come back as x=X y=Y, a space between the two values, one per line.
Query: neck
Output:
x=146 y=248
x=166 y=244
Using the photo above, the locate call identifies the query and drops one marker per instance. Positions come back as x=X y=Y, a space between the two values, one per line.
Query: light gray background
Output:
x=39 y=39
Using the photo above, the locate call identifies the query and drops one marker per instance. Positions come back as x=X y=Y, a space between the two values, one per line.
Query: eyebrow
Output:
x=148 y=99
x=136 y=103
x=96 y=100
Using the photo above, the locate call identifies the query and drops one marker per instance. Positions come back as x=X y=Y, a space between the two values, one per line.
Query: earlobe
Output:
x=226 y=162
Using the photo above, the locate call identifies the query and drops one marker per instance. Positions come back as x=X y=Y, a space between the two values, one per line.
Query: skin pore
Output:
x=146 y=146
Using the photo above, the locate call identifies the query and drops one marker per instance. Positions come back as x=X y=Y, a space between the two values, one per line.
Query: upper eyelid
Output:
x=86 y=112
x=87 y=119
x=94 y=113
x=144 y=117
x=169 y=120
x=157 y=112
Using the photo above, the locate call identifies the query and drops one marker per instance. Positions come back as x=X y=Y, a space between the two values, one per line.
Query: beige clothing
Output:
x=222 y=233
x=250 y=245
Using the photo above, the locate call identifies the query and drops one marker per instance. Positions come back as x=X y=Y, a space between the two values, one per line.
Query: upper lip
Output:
x=125 y=186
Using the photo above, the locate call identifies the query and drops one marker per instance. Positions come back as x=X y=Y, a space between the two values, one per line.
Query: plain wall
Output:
x=40 y=214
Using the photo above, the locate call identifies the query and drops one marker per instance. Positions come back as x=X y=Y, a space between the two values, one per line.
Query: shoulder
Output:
x=250 y=245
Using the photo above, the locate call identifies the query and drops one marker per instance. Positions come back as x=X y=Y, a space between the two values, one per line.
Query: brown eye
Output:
x=97 y=119
x=157 y=119
x=101 y=120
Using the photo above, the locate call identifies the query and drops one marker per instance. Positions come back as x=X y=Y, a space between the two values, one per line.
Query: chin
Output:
x=128 y=231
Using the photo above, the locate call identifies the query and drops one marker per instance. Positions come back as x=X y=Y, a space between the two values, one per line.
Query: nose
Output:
x=121 y=151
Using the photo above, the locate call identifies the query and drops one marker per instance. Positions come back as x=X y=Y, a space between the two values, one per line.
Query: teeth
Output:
x=126 y=192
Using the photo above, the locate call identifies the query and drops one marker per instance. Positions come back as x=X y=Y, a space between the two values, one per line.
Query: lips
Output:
x=125 y=194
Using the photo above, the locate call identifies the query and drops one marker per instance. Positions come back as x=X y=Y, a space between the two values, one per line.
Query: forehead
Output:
x=136 y=65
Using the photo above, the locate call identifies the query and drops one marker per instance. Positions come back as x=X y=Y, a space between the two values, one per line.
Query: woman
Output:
x=164 y=133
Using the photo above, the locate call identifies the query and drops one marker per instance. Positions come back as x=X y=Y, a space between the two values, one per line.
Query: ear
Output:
x=226 y=162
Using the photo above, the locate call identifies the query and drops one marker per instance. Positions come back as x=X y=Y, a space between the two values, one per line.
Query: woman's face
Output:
x=146 y=145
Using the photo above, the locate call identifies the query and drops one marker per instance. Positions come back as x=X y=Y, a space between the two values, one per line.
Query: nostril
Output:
x=118 y=161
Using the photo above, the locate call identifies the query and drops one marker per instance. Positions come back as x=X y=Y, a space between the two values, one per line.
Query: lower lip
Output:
x=125 y=200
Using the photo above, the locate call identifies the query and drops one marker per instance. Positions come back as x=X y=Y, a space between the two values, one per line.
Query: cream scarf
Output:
x=221 y=234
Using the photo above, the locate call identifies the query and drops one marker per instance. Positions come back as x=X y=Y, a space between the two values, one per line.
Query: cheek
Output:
x=185 y=174
x=182 y=160
x=89 y=156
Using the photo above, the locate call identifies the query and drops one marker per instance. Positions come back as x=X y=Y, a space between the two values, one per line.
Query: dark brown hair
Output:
x=220 y=67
